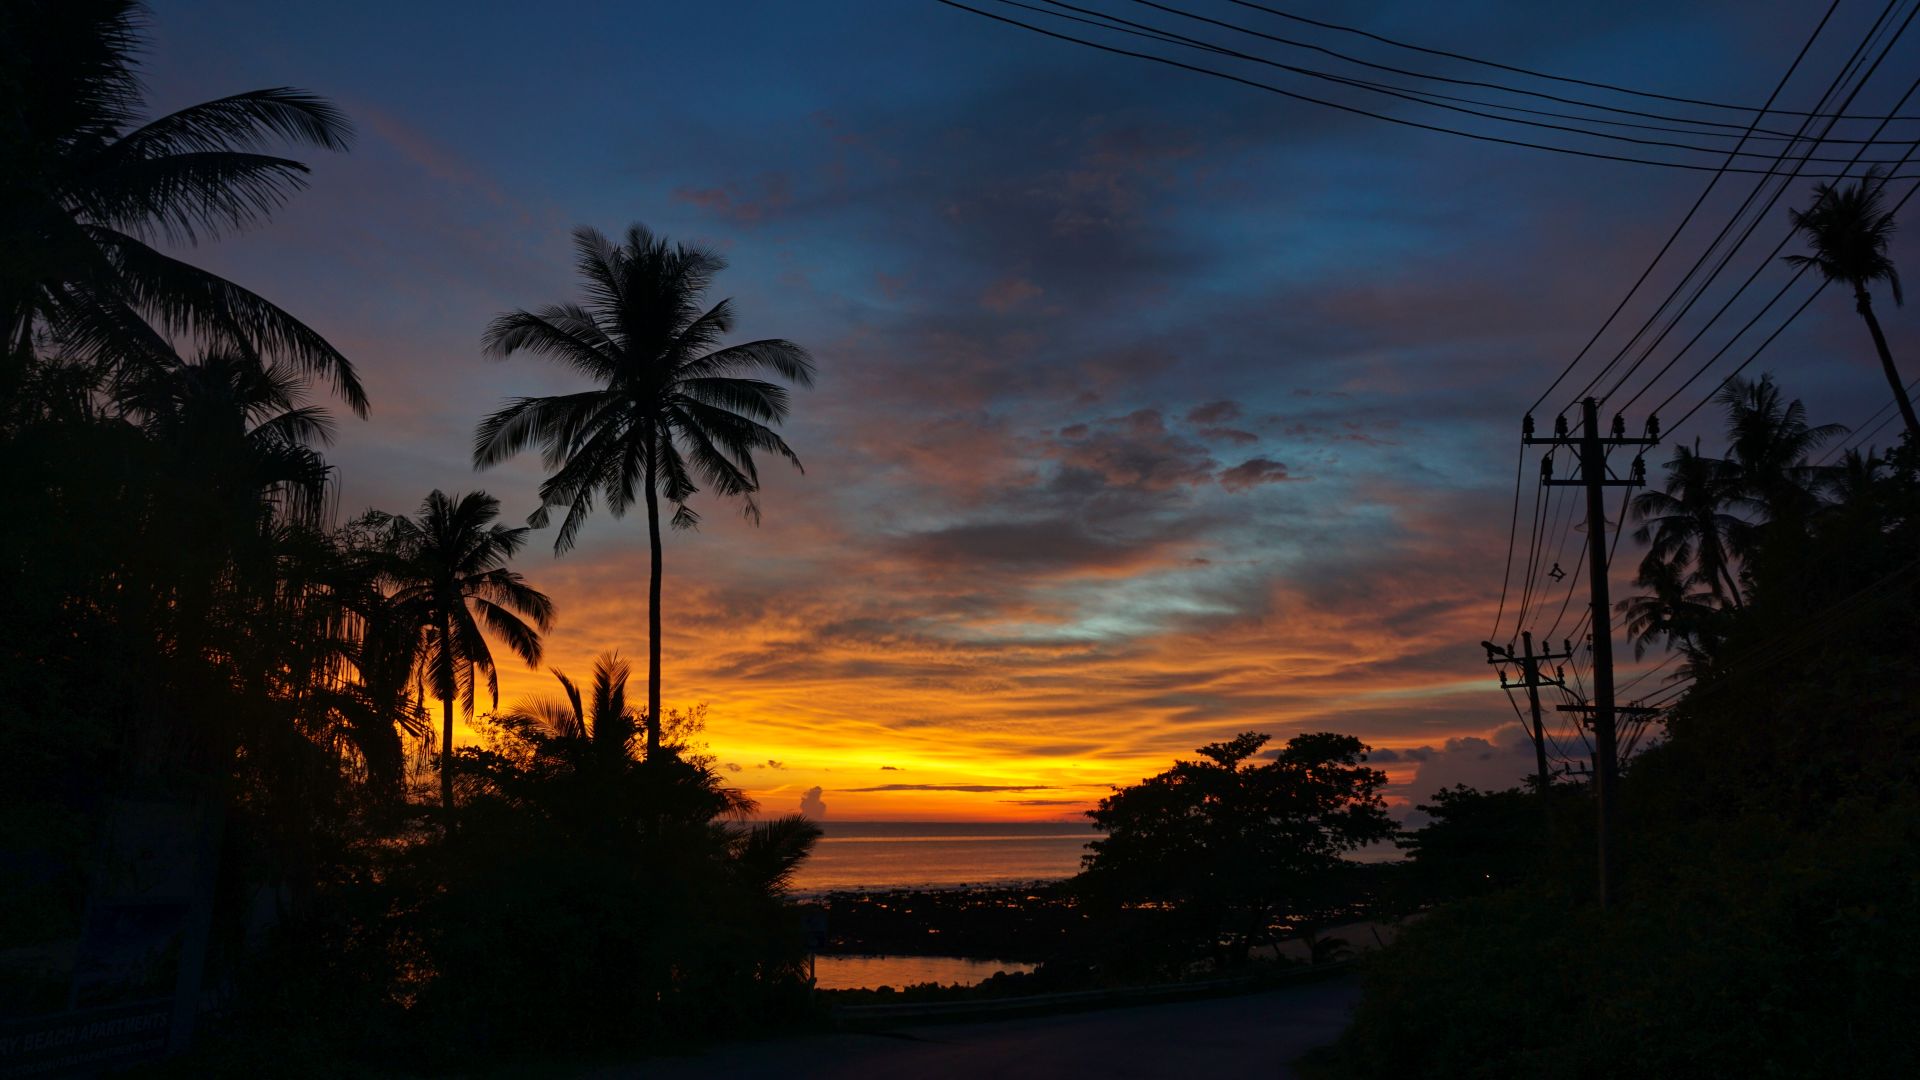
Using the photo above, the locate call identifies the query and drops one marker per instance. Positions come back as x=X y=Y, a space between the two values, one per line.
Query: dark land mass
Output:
x=1030 y=923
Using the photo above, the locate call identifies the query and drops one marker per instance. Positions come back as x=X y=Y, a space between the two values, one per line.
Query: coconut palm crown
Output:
x=672 y=408
x=1849 y=229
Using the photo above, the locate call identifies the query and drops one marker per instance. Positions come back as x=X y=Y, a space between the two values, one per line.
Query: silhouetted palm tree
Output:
x=1770 y=440
x=1688 y=526
x=449 y=569
x=1848 y=229
x=86 y=187
x=673 y=405
x=604 y=720
x=238 y=429
x=1668 y=612
x=377 y=693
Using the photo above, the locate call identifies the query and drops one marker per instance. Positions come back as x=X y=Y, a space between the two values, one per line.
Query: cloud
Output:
x=889 y=768
x=1213 y=413
x=1227 y=434
x=1490 y=764
x=729 y=203
x=733 y=766
x=812 y=805
x=954 y=787
x=1253 y=472
x=1135 y=451
x=1008 y=293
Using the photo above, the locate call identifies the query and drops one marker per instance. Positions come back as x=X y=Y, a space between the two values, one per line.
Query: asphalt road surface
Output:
x=1253 y=1035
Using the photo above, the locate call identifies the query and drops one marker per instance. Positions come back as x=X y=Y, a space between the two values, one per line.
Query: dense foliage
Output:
x=1771 y=842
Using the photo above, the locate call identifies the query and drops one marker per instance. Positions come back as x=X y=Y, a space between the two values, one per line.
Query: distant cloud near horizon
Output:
x=954 y=787
x=812 y=804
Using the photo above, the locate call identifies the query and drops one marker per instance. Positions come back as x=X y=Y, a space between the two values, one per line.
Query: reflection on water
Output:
x=866 y=972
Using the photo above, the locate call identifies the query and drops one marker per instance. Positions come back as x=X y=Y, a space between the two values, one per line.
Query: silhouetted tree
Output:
x=1239 y=844
x=1769 y=442
x=86 y=186
x=1688 y=526
x=1848 y=228
x=673 y=409
x=448 y=568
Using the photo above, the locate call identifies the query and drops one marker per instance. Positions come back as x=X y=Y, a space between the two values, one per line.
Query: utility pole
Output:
x=1531 y=678
x=1592 y=448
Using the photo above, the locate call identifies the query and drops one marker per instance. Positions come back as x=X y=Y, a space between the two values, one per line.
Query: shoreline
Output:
x=1023 y=922
x=829 y=893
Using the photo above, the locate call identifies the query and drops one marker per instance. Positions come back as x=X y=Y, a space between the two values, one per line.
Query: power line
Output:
x=1127 y=27
x=1357 y=110
x=1757 y=351
x=1541 y=74
x=1513 y=529
x=1765 y=263
x=1856 y=439
x=1687 y=218
x=1751 y=126
x=1848 y=69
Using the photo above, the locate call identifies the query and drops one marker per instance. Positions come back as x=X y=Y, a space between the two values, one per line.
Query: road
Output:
x=1253 y=1035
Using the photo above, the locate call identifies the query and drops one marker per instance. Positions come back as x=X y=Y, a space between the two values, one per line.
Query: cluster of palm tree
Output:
x=186 y=621
x=1713 y=516
x=393 y=606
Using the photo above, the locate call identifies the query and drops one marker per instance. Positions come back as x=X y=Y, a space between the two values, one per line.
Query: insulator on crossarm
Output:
x=1526 y=427
x=1639 y=470
x=1653 y=427
x=1560 y=426
x=1619 y=426
x=1546 y=467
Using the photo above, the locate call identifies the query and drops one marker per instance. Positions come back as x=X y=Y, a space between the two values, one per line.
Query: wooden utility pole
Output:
x=1531 y=678
x=1592 y=449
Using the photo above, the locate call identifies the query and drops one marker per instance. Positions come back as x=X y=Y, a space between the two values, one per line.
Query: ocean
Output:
x=922 y=854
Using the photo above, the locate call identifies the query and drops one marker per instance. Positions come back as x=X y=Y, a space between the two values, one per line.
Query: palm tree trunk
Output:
x=446 y=728
x=653 y=612
x=446 y=760
x=1865 y=305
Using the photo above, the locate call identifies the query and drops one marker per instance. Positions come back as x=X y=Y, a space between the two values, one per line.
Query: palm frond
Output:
x=782 y=358
x=185 y=197
x=246 y=121
x=183 y=299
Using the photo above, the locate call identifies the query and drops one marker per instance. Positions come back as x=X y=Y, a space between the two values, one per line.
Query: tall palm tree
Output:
x=672 y=408
x=448 y=569
x=1848 y=229
x=603 y=721
x=85 y=188
x=1689 y=528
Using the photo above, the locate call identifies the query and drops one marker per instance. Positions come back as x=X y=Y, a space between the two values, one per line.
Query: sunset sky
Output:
x=1151 y=408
